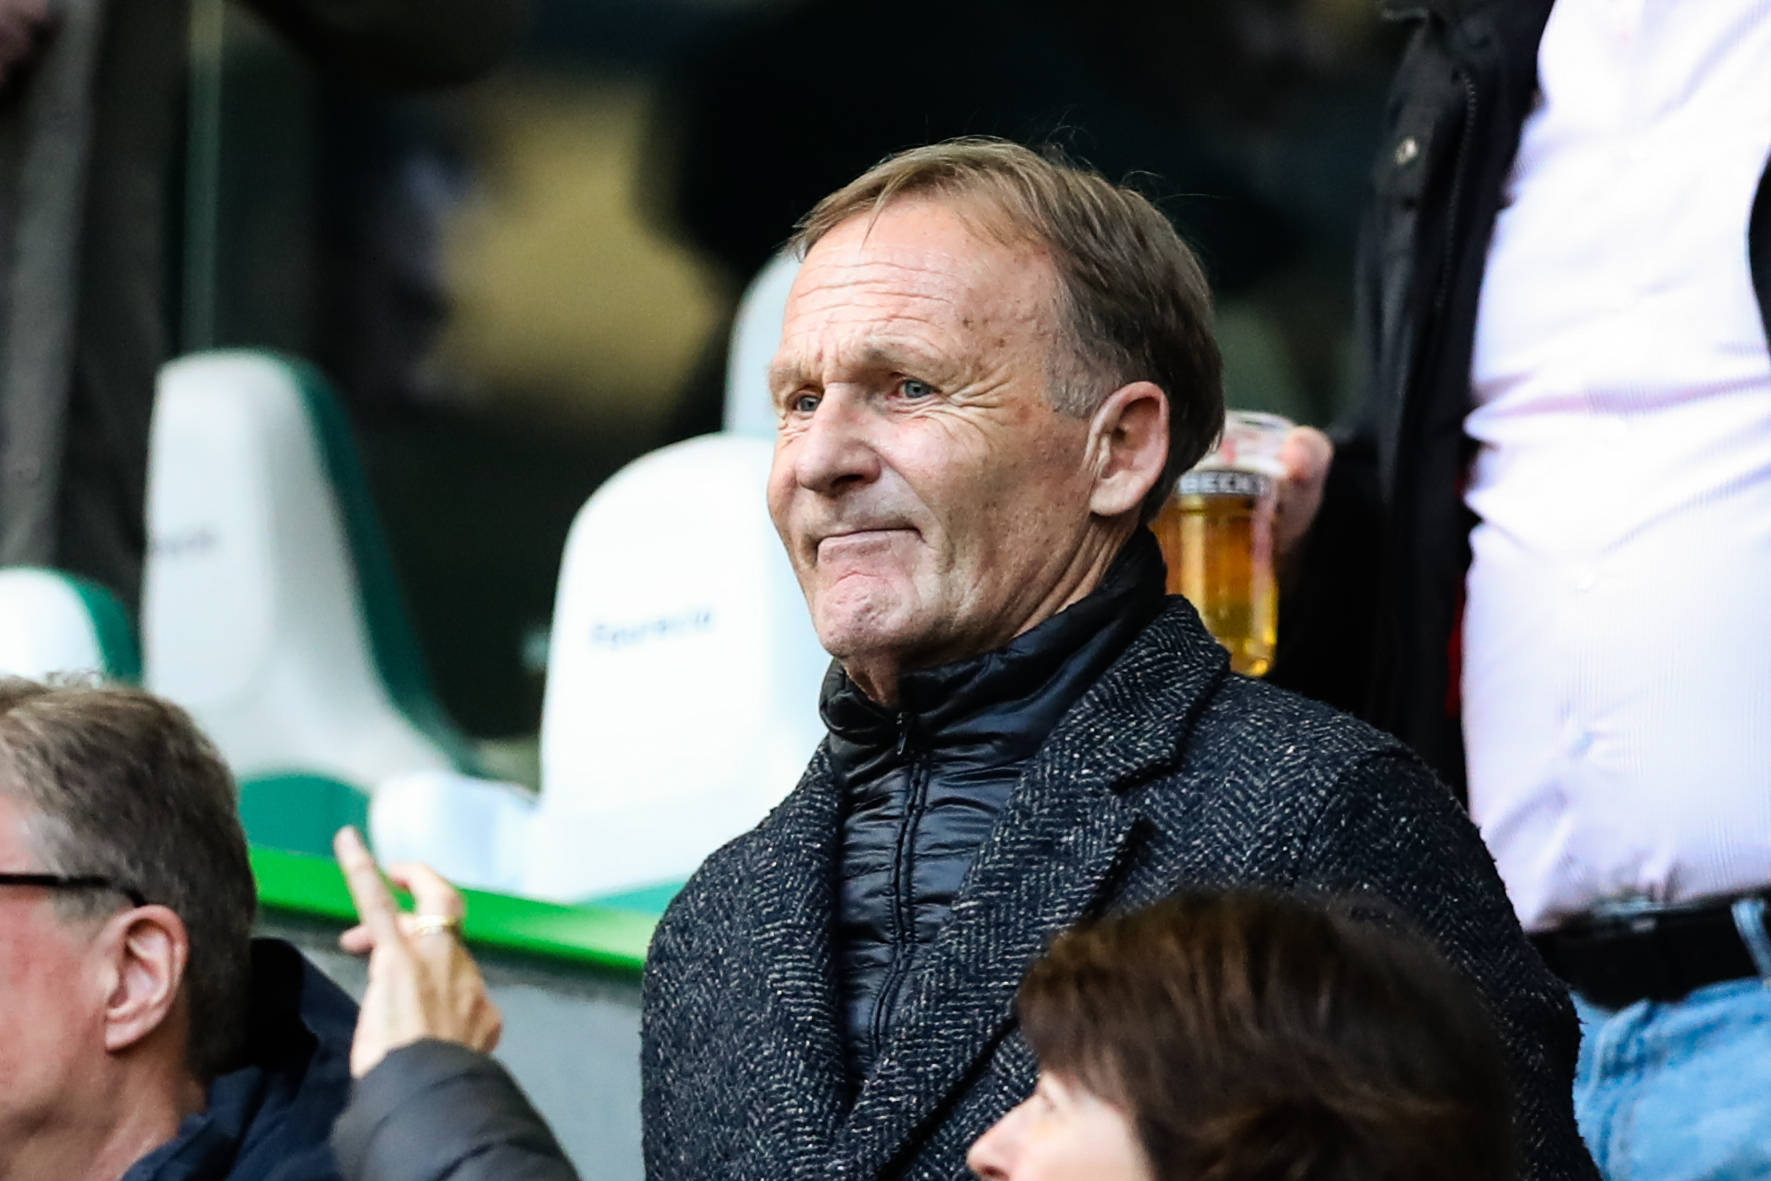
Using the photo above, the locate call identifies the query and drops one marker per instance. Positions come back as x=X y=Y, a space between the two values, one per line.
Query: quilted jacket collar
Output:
x=1000 y=706
x=1066 y=830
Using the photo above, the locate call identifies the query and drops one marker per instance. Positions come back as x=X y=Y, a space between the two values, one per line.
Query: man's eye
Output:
x=912 y=388
x=802 y=403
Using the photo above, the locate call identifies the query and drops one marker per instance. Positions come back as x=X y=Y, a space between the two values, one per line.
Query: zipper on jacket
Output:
x=1459 y=164
x=1424 y=15
x=903 y=888
x=1427 y=348
x=1447 y=253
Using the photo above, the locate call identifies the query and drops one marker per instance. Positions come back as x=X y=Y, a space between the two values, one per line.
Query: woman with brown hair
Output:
x=1247 y=1036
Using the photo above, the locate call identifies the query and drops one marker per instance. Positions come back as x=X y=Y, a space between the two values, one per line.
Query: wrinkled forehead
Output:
x=916 y=278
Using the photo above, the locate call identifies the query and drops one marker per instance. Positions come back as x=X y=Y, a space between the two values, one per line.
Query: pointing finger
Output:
x=375 y=905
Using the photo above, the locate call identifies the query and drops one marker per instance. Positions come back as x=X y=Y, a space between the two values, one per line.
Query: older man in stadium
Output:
x=993 y=368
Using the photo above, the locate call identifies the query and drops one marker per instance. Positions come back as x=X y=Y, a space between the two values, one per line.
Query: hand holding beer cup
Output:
x=1244 y=506
x=1304 y=457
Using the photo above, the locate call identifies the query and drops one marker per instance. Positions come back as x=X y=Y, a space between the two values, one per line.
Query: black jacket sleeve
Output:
x=1393 y=830
x=1331 y=597
x=436 y=1111
x=400 y=43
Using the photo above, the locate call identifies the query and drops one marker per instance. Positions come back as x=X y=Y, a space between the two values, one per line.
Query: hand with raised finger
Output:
x=422 y=981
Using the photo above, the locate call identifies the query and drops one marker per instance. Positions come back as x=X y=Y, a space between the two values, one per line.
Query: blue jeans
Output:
x=1670 y=1092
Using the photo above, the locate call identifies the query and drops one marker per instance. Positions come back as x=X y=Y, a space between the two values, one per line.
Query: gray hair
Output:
x=121 y=784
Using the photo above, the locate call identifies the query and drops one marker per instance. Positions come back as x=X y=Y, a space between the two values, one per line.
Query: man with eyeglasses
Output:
x=144 y=1035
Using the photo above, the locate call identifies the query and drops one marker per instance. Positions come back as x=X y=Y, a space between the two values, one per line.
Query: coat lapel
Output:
x=1052 y=858
x=805 y=1083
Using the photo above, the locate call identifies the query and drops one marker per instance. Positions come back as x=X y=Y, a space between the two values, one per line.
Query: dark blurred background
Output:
x=522 y=285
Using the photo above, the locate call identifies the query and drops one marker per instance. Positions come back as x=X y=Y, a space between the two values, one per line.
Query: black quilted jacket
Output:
x=1168 y=773
x=924 y=783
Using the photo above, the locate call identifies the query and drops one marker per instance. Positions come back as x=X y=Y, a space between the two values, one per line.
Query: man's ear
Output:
x=149 y=949
x=1128 y=446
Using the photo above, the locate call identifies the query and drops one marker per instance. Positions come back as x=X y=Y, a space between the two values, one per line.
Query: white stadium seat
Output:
x=52 y=622
x=681 y=698
x=268 y=608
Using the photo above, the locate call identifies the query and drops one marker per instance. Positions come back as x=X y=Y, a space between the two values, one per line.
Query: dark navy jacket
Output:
x=270 y=1119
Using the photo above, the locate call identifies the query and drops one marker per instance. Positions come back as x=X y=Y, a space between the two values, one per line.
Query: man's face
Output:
x=51 y=1001
x=933 y=503
x=1062 y=1133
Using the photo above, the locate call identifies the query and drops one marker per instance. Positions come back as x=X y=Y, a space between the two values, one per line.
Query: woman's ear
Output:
x=1128 y=446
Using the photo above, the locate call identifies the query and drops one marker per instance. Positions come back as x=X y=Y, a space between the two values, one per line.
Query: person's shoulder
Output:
x=1253 y=744
x=1176 y=671
x=1313 y=761
x=1244 y=707
x=1172 y=696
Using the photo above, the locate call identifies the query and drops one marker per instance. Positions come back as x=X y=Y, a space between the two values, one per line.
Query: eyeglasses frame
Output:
x=62 y=881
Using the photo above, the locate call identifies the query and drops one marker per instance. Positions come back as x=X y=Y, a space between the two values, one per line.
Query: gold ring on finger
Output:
x=435 y=924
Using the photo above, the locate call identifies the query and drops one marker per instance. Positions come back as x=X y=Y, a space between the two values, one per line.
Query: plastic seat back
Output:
x=683 y=673
x=52 y=622
x=475 y=832
x=269 y=608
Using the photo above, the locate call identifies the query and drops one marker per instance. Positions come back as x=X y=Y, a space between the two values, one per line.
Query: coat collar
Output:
x=274 y=1111
x=1005 y=701
x=1067 y=832
x=794 y=932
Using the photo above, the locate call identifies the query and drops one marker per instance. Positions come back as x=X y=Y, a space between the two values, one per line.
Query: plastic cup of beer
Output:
x=1216 y=532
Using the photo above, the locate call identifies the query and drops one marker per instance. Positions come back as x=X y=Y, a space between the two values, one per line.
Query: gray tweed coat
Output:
x=1169 y=772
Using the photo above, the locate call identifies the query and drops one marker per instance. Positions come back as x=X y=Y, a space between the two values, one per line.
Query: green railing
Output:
x=597 y=936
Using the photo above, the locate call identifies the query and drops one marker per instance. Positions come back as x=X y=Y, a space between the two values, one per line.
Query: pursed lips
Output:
x=850 y=540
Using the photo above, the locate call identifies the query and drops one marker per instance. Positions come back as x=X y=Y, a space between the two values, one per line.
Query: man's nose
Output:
x=835 y=449
x=993 y=1154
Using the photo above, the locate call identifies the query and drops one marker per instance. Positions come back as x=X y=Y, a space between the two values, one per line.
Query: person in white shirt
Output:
x=1543 y=555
